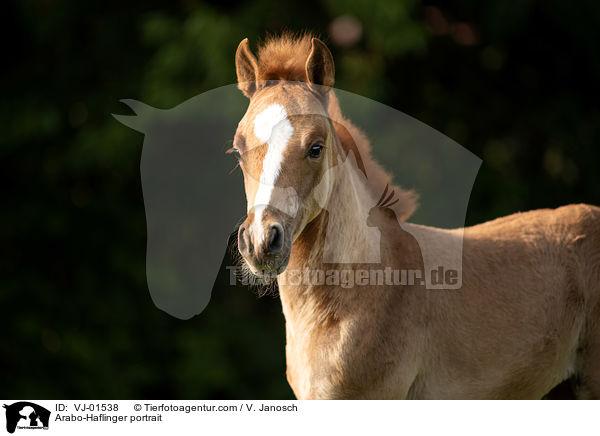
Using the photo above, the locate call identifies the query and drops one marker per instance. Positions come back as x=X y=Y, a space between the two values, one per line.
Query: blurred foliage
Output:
x=515 y=84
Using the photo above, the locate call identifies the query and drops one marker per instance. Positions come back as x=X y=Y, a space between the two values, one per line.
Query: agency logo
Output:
x=26 y=415
x=194 y=191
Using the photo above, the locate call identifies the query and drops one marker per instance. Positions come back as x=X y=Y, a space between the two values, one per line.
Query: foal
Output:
x=525 y=319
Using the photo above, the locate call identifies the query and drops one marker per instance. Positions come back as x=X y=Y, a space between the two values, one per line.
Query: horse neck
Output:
x=345 y=215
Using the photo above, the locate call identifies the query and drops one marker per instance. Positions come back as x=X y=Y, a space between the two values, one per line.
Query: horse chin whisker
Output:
x=262 y=285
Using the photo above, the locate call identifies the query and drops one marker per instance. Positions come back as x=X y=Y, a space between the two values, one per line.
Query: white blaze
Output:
x=273 y=127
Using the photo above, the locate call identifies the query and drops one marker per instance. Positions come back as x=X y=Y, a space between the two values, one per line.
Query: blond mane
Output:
x=284 y=57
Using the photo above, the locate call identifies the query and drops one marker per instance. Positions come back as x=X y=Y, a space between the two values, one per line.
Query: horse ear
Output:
x=246 y=68
x=320 y=69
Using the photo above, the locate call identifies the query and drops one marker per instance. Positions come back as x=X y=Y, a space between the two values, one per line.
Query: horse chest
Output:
x=311 y=364
x=332 y=365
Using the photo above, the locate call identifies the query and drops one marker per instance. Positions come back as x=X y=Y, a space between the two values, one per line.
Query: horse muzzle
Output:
x=264 y=242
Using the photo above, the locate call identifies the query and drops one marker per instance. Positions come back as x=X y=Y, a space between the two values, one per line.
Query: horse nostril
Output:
x=243 y=241
x=275 y=242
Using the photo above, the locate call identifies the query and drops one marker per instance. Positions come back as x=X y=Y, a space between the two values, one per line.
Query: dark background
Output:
x=515 y=83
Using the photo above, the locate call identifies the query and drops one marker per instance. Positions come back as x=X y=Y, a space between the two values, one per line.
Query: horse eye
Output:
x=315 y=151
